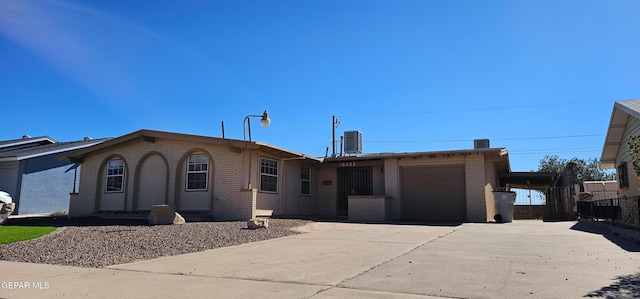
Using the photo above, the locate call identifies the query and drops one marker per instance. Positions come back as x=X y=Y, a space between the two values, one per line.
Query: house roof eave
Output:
x=498 y=151
x=151 y=135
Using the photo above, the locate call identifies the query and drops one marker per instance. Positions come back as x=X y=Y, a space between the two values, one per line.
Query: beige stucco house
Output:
x=237 y=180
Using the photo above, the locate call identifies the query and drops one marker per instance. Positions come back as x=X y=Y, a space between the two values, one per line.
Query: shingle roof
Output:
x=151 y=135
x=47 y=149
x=25 y=142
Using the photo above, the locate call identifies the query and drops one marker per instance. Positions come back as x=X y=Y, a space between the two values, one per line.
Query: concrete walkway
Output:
x=523 y=259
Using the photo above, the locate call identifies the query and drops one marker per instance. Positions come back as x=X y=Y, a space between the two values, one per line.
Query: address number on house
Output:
x=347 y=164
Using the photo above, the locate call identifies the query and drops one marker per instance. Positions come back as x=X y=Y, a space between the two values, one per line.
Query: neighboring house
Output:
x=32 y=174
x=601 y=189
x=237 y=180
x=624 y=123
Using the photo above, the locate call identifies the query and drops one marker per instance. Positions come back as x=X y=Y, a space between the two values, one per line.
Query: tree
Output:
x=589 y=170
x=634 y=152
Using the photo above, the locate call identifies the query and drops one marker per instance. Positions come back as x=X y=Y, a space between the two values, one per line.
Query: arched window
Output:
x=197 y=172
x=115 y=175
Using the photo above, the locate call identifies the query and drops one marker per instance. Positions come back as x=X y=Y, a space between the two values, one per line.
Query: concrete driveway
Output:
x=523 y=259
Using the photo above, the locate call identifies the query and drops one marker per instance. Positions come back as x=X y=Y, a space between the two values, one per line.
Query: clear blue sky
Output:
x=411 y=75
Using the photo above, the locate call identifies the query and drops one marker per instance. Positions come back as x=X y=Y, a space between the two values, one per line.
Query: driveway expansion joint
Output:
x=341 y=283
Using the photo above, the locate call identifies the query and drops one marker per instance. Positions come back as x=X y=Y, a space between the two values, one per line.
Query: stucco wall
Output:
x=327 y=192
x=9 y=178
x=490 y=177
x=294 y=202
x=45 y=186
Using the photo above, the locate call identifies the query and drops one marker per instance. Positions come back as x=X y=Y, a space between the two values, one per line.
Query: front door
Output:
x=352 y=181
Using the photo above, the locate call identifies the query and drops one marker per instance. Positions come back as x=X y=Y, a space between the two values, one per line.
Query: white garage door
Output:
x=434 y=193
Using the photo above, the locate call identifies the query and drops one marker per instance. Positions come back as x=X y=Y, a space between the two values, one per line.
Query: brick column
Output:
x=475 y=182
x=391 y=189
x=240 y=208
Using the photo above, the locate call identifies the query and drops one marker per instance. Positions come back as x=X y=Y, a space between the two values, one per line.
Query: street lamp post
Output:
x=265 y=121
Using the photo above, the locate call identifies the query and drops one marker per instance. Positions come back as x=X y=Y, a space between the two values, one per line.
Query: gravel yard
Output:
x=101 y=245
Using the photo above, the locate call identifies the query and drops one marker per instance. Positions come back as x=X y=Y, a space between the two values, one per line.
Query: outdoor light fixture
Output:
x=265 y=121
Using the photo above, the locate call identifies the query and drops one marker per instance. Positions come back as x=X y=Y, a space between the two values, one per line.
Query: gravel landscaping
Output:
x=102 y=244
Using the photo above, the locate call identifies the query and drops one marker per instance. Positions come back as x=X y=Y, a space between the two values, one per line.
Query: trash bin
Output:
x=504 y=205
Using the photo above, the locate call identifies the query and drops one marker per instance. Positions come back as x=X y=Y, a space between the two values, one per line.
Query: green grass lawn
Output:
x=10 y=234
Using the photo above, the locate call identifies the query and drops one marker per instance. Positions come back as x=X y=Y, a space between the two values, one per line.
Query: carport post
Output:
x=638 y=201
x=613 y=220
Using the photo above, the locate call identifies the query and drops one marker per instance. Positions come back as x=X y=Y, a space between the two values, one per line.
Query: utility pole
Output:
x=334 y=125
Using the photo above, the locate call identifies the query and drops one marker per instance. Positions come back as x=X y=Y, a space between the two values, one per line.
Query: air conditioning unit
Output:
x=480 y=143
x=353 y=142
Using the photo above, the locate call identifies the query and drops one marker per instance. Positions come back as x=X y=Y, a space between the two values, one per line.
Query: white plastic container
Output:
x=5 y=197
x=504 y=205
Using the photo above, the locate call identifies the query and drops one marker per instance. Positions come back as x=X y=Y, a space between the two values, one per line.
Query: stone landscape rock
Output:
x=257 y=223
x=164 y=214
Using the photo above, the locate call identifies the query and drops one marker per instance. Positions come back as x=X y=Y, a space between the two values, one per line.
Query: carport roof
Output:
x=622 y=110
x=528 y=180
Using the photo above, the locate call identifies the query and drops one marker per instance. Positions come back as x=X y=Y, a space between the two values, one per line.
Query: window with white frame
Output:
x=115 y=175
x=197 y=172
x=305 y=180
x=268 y=175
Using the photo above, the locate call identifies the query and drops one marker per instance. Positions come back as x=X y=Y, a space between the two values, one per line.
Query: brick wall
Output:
x=243 y=207
x=368 y=208
x=391 y=187
x=225 y=174
x=475 y=183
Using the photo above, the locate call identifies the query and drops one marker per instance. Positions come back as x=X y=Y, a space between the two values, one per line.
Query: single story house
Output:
x=226 y=178
x=237 y=180
x=36 y=180
x=624 y=123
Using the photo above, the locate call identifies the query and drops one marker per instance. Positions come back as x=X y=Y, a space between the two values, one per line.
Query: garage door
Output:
x=435 y=193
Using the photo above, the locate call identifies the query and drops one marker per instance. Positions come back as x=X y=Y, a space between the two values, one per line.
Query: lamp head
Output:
x=265 y=121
